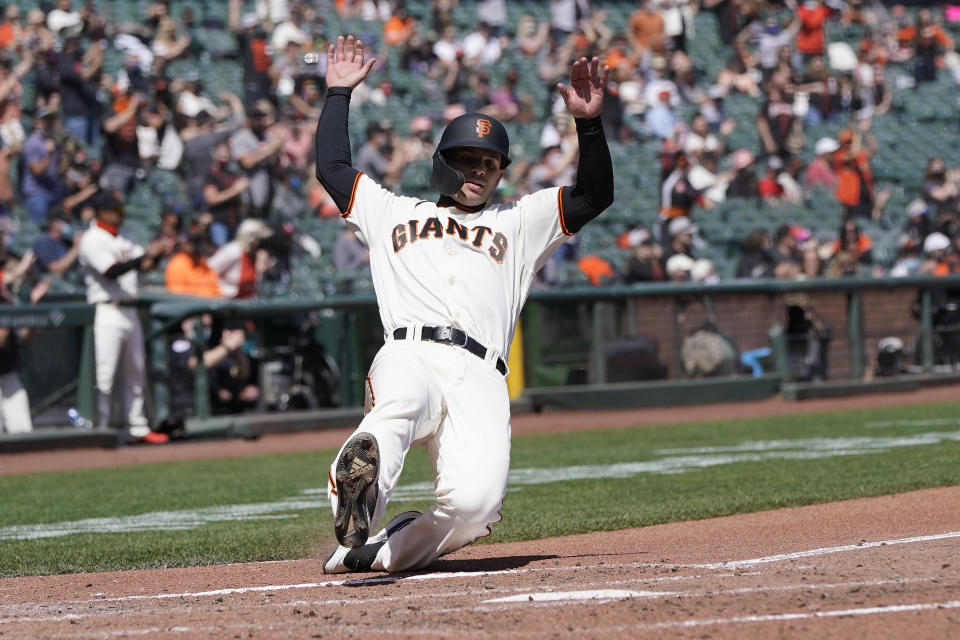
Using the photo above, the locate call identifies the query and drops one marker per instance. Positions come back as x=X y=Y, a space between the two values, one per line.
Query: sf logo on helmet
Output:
x=483 y=127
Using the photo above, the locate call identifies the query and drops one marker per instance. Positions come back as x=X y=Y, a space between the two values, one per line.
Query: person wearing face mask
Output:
x=58 y=246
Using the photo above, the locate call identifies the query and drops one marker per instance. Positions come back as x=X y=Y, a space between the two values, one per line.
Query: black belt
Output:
x=450 y=335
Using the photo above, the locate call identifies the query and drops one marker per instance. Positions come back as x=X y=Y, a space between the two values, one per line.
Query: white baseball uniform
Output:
x=117 y=334
x=440 y=266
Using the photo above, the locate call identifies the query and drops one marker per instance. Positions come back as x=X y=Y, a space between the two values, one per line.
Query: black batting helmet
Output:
x=476 y=130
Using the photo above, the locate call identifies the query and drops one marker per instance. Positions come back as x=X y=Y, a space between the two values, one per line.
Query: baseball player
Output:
x=451 y=277
x=111 y=264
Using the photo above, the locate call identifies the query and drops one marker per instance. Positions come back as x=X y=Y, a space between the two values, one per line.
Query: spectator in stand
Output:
x=777 y=125
x=79 y=80
x=167 y=43
x=643 y=262
x=940 y=187
x=532 y=38
x=811 y=264
x=645 y=31
x=855 y=187
x=188 y=273
x=199 y=141
x=744 y=183
x=854 y=244
x=919 y=224
x=234 y=377
x=679 y=267
x=398 y=29
x=784 y=246
x=677 y=194
x=58 y=247
x=12 y=31
x=41 y=182
x=772 y=41
x=241 y=263
x=936 y=247
x=742 y=72
x=256 y=148
x=820 y=172
x=811 y=38
x=557 y=165
x=929 y=44
x=660 y=121
x=756 y=260
x=223 y=190
x=121 y=153
x=254 y=49
x=379 y=157
x=681 y=233
x=481 y=48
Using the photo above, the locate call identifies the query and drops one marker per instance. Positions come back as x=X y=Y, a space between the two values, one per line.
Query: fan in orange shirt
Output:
x=187 y=272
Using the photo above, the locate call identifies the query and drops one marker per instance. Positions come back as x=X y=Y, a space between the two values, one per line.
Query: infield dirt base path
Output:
x=885 y=567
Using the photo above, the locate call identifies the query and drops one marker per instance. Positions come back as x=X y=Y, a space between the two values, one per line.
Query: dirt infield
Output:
x=873 y=568
x=886 y=567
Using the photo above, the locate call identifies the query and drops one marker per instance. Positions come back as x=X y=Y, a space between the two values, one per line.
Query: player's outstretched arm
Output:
x=593 y=191
x=346 y=69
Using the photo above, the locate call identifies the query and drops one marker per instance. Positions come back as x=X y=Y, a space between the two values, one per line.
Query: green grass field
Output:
x=274 y=507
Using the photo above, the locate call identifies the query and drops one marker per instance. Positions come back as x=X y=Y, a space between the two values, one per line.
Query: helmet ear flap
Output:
x=445 y=178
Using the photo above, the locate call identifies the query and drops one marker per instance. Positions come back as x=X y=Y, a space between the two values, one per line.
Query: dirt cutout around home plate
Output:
x=886 y=567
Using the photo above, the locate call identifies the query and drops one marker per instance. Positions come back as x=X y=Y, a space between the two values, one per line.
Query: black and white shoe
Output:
x=346 y=560
x=356 y=476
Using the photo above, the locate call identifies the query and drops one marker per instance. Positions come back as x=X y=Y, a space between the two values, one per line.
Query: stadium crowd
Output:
x=78 y=137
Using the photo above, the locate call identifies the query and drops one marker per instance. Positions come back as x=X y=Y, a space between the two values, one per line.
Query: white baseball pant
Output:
x=458 y=406
x=118 y=348
x=14 y=405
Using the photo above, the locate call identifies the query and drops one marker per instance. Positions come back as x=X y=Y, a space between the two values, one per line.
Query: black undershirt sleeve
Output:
x=117 y=269
x=334 y=162
x=593 y=191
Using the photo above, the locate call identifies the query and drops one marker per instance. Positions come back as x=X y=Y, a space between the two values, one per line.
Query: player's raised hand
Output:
x=584 y=96
x=345 y=64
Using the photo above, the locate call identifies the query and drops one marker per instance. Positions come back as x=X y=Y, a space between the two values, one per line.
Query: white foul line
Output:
x=391 y=579
x=779 y=617
x=735 y=564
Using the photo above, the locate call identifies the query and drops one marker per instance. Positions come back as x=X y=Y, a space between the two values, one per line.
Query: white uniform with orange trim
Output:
x=445 y=266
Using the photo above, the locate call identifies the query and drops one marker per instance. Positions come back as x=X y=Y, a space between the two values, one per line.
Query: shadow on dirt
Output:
x=454 y=566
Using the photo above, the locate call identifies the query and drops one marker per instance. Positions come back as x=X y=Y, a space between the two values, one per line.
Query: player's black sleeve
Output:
x=117 y=269
x=334 y=162
x=593 y=191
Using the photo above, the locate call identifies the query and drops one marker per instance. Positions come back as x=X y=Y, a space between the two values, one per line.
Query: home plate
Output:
x=596 y=594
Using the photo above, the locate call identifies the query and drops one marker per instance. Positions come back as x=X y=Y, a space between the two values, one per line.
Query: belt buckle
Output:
x=443 y=334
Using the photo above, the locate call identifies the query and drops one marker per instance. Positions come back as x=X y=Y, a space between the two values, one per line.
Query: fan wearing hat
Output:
x=451 y=277
x=820 y=172
x=680 y=238
x=112 y=264
x=241 y=262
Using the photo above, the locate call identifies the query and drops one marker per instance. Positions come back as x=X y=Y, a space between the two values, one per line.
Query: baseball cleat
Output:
x=357 y=471
x=346 y=560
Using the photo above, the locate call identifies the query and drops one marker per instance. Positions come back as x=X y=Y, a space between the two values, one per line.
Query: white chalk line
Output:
x=547 y=597
x=389 y=579
x=613 y=594
x=806 y=615
x=735 y=564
